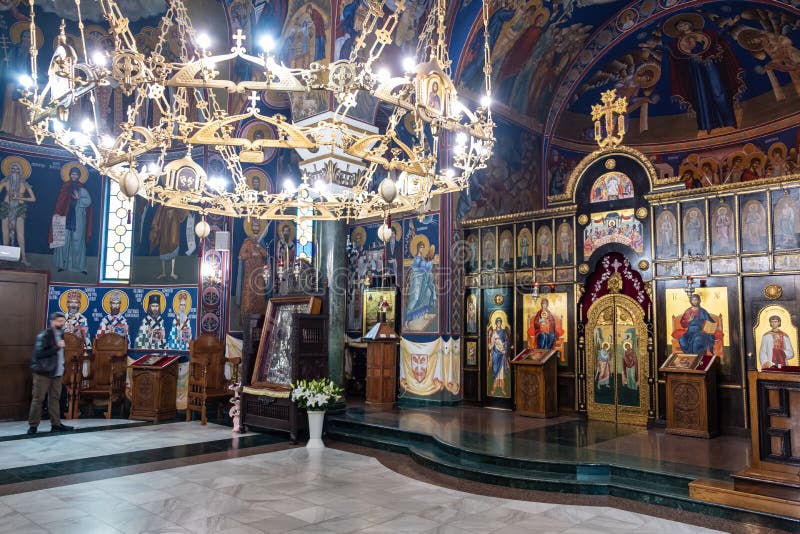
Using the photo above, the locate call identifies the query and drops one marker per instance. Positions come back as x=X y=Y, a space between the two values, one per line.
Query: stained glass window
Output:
x=118 y=225
x=305 y=235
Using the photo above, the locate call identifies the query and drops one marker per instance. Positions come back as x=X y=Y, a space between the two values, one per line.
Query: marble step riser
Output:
x=669 y=482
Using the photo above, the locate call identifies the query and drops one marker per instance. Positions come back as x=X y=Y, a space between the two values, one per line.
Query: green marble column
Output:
x=331 y=237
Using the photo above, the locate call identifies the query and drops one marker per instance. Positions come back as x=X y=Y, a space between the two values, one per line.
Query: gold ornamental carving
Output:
x=773 y=292
x=644 y=265
x=583 y=268
x=641 y=213
x=615 y=283
x=610 y=164
x=583 y=219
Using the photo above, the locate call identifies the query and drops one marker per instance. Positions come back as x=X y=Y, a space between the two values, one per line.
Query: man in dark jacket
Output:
x=47 y=365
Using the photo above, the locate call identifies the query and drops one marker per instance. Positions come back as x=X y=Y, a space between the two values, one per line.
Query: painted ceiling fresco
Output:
x=689 y=69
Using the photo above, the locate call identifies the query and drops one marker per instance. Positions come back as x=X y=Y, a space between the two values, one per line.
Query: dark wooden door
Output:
x=23 y=308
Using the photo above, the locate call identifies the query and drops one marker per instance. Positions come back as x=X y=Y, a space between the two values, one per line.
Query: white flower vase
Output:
x=315 y=420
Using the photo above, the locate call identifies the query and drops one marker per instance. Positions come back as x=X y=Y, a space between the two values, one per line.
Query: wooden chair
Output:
x=108 y=366
x=74 y=351
x=206 y=376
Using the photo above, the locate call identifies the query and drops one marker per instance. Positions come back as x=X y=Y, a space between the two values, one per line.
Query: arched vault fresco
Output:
x=552 y=59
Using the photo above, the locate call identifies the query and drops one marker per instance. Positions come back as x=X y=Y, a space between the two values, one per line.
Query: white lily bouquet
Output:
x=315 y=395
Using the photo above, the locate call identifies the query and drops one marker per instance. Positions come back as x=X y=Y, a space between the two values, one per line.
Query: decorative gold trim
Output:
x=520 y=217
x=641 y=213
x=773 y=291
x=583 y=268
x=583 y=219
x=608 y=412
x=643 y=265
x=575 y=176
x=763 y=184
x=261 y=392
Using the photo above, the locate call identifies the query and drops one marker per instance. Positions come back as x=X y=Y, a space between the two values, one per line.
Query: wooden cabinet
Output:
x=536 y=386
x=154 y=386
x=293 y=346
x=771 y=483
x=382 y=368
x=691 y=395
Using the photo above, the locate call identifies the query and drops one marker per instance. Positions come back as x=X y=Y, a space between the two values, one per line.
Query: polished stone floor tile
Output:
x=20 y=428
x=293 y=490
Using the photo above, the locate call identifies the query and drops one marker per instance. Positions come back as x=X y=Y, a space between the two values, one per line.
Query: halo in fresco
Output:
x=23 y=163
x=62 y=300
x=161 y=299
x=66 y=169
x=176 y=301
x=123 y=305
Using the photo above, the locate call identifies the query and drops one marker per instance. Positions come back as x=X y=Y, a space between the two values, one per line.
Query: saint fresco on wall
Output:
x=694 y=232
x=506 y=249
x=524 y=247
x=723 y=234
x=785 y=219
x=544 y=245
x=666 y=232
x=564 y=244
x=421 y=262
x=753 y=219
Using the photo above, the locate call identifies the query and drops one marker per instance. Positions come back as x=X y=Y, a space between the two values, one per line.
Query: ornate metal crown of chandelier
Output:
x=360 y=170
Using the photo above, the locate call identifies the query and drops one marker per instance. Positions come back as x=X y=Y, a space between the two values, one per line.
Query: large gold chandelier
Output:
x=367 y=172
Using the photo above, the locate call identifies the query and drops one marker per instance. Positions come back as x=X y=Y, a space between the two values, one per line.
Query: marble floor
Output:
x=9 y=429
x=296 y=490
x=67 y=446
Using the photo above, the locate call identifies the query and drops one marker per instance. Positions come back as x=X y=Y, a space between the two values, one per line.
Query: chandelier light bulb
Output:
x=288 y=185
x=486 y=101
x=202 y=229
x=267 y=43
x=130 y=183
x=384 y=233
x=216 y=182
x=388 y=190
x=409 y=64
x=204 y=41
x=461 y=139
x=106 y=141
x=450 y=173
x=320 y=185
x=87 y=126
x=26 y=81
x=384 y=75
x=99 y=58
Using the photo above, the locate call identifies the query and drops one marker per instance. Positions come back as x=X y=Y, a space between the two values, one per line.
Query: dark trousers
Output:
x=51 y=387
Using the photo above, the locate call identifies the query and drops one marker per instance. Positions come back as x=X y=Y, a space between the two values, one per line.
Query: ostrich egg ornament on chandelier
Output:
x=365 y=170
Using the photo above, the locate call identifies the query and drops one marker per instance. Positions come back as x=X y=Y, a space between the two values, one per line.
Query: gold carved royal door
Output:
x=617 y=361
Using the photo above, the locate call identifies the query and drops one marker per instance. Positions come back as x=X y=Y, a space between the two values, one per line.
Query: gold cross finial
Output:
x=603 y=115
